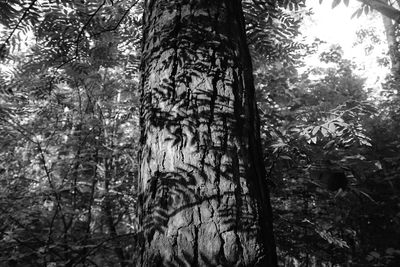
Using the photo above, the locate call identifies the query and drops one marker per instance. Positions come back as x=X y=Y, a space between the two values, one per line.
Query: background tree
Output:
x=68 y=120
x=326 y=113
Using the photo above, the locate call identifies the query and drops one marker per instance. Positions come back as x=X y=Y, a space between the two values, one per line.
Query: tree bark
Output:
x=390 y=31
x=203 y=200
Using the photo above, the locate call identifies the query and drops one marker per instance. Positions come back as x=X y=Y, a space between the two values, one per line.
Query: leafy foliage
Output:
x=68 y=117
x=69 y=133
x=386 y=8
x=272 y=27
x=325 y=115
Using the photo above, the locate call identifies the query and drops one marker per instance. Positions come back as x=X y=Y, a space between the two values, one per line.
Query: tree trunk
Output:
x=384 y=8
x=202 y=194
x=390 y=30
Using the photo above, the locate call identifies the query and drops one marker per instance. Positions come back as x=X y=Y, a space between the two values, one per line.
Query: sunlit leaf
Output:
x=324 y=132
x=315 y=130
x=332 y=127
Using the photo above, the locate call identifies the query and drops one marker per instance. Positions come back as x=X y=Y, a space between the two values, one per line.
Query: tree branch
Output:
x=383 y=8
x=84 y=27
x=119 y=21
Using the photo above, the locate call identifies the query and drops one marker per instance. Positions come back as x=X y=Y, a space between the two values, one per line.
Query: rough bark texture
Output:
x=203 y=199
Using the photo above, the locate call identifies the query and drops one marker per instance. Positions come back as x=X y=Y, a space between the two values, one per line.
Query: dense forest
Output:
x=195 y=133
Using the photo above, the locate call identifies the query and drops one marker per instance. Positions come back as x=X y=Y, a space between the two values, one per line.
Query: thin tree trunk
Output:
x=203 y=199
x=390 y=30
x=108 y=210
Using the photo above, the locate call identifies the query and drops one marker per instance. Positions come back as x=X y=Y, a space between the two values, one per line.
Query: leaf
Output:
x=324 y=132
x=335 y=3
x=366 y=195
x=320 y=1
x=280 y=144
x=329 y=144
x=375 y=254
x=355 y=14
x=341 y=124
x=366 y=9
x=315 y=130
x=369 y=258
x=360 y=11
x=390 y=251
x=332 y=127
x=346 y=2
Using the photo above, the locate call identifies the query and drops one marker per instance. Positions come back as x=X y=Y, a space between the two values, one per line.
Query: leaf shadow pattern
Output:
x=203 y=200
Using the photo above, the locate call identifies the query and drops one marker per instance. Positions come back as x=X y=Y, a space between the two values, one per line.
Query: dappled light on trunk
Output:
x=203 y=199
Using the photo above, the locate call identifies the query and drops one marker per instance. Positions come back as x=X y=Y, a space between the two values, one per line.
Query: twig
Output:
x=119 y=22
x=84 y=27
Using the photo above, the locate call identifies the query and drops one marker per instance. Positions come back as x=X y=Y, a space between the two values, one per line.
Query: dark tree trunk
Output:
x=203 y=199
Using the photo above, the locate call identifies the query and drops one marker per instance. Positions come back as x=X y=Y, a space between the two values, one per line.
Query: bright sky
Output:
x=335 y=26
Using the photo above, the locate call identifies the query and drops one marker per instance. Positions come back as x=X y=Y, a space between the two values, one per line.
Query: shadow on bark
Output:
x=203 y=199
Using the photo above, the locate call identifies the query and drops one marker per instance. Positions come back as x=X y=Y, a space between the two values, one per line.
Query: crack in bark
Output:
x=196 y=247
x=175 y=61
